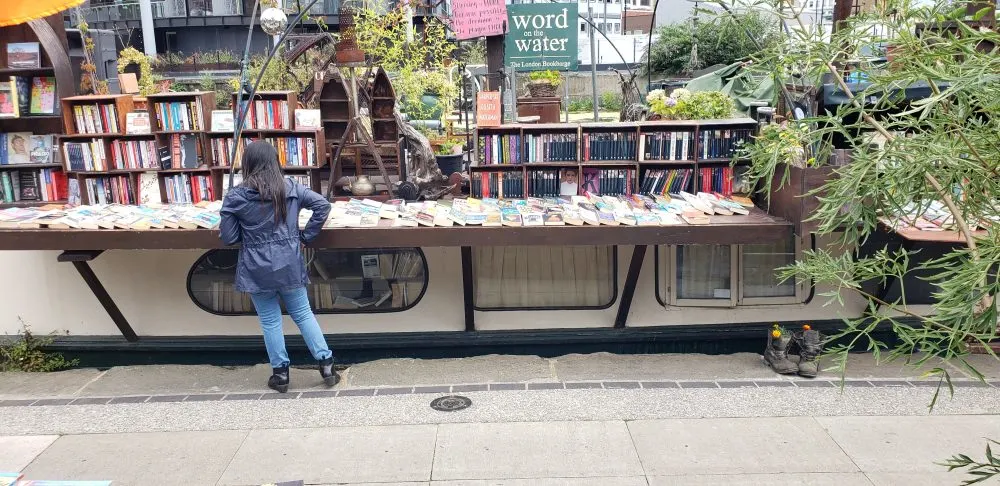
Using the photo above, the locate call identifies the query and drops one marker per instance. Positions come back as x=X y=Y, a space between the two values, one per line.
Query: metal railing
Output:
x=162 y=9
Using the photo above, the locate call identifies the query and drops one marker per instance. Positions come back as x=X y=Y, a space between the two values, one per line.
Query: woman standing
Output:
x=262 y=214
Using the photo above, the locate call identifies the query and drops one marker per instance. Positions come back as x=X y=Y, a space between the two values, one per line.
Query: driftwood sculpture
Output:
x=632 y=107
x=422 y=168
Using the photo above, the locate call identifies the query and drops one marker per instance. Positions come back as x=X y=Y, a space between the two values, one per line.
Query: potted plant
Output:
x=449 y=156
x=682 y=104
x=543 y=84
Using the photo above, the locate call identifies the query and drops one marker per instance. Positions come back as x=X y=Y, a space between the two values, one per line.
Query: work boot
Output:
x=330 y=376
x=279 y=379
x=776 y=354
x=810 y=343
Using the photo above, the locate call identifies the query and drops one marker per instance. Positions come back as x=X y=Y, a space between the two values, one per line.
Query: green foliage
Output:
x=721 y=40
x=473 y=51
x=979 y=470
x=447 y=147
x=941 y=149
x=129 y=56
x=223 y=91
x=611 y=101
x=685 y=105
x=776 y=145
x=25 y=353
x=550 y=77
x=581 y=105
x=419 y=67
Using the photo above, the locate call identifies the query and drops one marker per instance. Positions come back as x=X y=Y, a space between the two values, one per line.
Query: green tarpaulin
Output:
x=736 y=82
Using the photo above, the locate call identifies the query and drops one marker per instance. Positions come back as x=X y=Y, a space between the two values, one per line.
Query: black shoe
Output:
x=330 y=376
x=279 y=379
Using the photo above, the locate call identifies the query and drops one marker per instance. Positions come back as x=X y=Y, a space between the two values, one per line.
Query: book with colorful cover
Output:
x=43 y=95
x=9 y=479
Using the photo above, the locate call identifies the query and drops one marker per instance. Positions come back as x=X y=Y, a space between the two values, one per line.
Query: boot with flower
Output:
x=776 y=354
x=810 y=344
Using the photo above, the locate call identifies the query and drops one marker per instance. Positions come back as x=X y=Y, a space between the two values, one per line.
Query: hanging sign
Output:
x=478 y=18
x=541 y=36
x=488 y=109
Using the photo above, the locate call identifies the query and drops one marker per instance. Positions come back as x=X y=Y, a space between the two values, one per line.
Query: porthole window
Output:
x=545 y=277
x=342 y=281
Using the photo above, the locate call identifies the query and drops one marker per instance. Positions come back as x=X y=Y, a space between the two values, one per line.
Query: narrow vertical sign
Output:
x=541 y=36
x=478 y=18
x=488 y=109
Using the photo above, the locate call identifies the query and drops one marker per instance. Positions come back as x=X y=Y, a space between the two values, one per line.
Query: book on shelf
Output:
x=609 y=146
x=109 y=190
x=304 y=179
x=43 y=95
x=149 y=188
x=612 y=182
x=722 y=144
x=183 y=151
x=496 y=149
x=24 y=55
x=550 y=147
x=21 y=87
x=268 y=115
x=189 y=188
x=222 y=121
x=500 y=184
x=667 y=146
x=16 y=148
x=544 y=183
x=172 y=116
x=292 y=151
x=308 y=120
x=8 y=101
x=716 y=179
x=41 y=149
x=134 y=154
x=85 y=156
x=137 y=123
x=666 y=181
x=95 y=118
x=44 y=185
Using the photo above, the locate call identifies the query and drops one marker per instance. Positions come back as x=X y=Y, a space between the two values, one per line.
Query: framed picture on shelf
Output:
x=307 y=120
x=137 y=123
x=23 y=55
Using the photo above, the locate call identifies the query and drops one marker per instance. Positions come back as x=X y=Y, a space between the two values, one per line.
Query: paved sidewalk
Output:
x=737 y=451
x=590 y=420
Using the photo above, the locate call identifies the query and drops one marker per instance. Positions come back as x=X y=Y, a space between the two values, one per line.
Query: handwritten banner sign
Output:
x=478 y=18
x=488 y=109
x=541 y=36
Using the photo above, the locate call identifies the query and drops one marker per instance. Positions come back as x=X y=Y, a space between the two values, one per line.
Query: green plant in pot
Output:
x=543 y=84
x=449 y=156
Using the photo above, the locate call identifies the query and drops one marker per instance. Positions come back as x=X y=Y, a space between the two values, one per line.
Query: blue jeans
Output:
x=297 y=303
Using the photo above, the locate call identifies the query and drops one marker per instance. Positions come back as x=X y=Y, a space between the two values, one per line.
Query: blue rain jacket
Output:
x=270 y=254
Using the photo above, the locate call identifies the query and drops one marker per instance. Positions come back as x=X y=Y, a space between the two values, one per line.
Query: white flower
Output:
x=680 y=93
x=654 y=95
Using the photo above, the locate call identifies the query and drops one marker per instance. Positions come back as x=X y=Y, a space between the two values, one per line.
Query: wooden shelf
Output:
x=47 y=117
x=30 y=166
x=667 y=162
x=184 y=170
x=609 y=162
x=32 y=71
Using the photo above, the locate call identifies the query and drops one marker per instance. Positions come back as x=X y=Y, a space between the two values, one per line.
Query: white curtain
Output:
x=759 y=265
x=703 y=271
x=543 y=276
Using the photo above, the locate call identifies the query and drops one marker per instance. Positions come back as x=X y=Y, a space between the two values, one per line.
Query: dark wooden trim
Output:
x=725 y=230
x=468 y=289
x=79 y=260
x=55 y=48
x=631 y=280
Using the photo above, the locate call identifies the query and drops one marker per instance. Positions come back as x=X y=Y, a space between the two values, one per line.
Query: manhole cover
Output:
x=450 y=404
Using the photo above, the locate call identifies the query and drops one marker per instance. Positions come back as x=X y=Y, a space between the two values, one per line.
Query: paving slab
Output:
x=335 y=455
x=16 y=452
x=480 y=369
x=178 y=379
x=15 y=384
x=910 y=444
x=527 y=450
x=920 y=479
x=658 y=367
x=983 y=363
x=190 y=458
x=736 y=446
x=795 y=479
x=620 y=481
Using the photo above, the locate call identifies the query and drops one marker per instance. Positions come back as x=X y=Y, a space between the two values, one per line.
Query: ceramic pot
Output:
x=362 y=186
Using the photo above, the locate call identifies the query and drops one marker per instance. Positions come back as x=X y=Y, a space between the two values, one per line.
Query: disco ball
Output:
x=273 y=21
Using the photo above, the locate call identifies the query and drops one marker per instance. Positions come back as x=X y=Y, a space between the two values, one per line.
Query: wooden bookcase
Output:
x=166 y=134
x=625 y=155
x=42 y=124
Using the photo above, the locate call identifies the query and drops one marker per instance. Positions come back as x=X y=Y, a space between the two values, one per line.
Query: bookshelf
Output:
x=179 y=121
x=614 y=158
x=32 y=176
x=302 y=153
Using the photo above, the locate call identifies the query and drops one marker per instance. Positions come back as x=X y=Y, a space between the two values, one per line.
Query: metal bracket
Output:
x=468 y=289
x=631 y=280
x=79 y=259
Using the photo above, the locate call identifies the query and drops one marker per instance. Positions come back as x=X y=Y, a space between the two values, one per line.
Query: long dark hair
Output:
x=262 y=172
